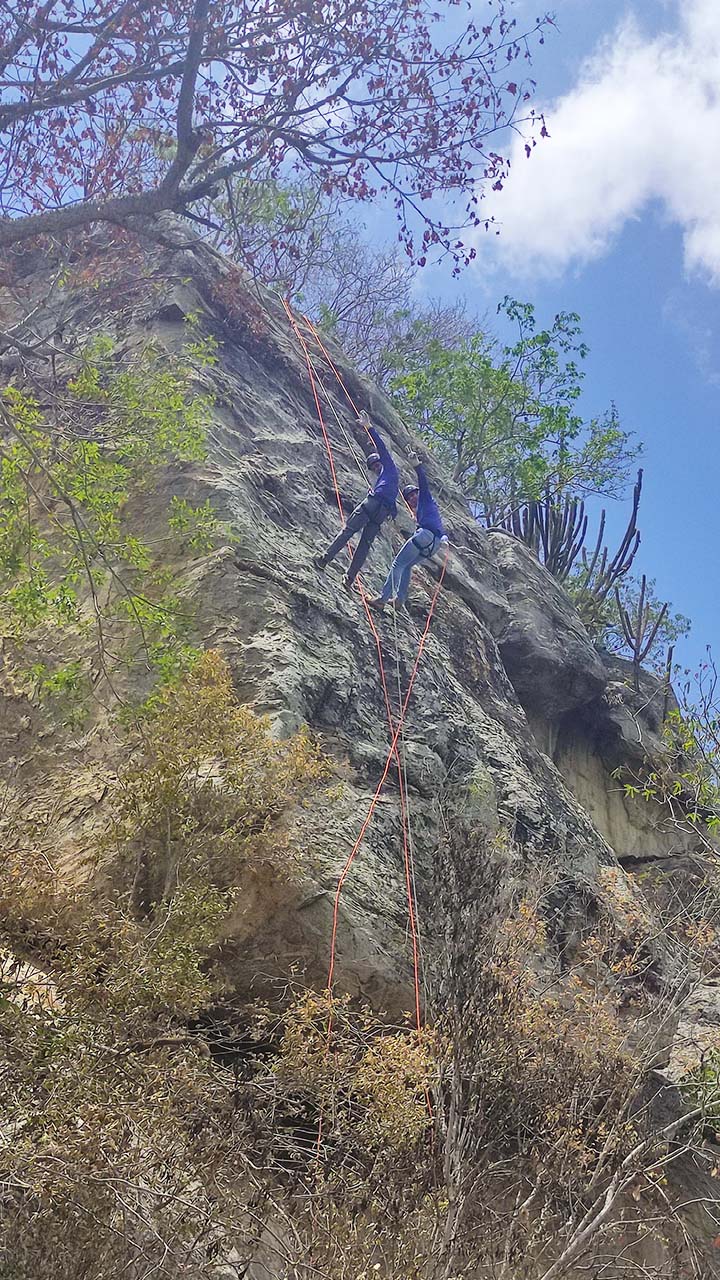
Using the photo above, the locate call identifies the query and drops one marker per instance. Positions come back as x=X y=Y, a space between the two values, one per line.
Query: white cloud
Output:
x=641 y=126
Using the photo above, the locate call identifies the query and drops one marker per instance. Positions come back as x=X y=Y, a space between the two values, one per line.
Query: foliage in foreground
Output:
x=201 y=798
x=73 y=570
x=685 y=781
x=138 y=1152
x=120 y=1145
x=125 y=1146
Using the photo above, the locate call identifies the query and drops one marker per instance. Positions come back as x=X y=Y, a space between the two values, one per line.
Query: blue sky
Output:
x=617 y=217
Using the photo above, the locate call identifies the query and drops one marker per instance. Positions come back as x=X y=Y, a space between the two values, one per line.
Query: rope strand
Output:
x=408 y=857
x=388 y=761
x=336 y=371
x=396 y=730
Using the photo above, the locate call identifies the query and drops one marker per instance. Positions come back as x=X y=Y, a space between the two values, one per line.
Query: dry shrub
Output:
x=369 y=1080
x=115 y=1160
x=550 y=1059
x=361 y=1141
x=122 y=1149
x=202 y=803
x=477 y=1140
x=536 y=1103
x=244 y=313
x=207 y=788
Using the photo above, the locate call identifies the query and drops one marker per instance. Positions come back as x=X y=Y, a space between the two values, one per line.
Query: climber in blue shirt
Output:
x=428 y=539
x=379 y=506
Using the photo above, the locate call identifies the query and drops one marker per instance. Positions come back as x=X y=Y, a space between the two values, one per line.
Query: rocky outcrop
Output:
x=515 y=720
x=302 y=651
x=510 y=684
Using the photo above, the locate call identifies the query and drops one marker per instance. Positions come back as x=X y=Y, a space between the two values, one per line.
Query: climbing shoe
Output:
x=320 y=562
x=346 y=585
x=376 y=602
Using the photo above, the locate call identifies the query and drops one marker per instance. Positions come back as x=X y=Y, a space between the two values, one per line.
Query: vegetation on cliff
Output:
x=159 y=1117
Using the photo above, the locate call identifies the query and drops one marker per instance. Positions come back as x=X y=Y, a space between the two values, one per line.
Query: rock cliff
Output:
x=516 y=724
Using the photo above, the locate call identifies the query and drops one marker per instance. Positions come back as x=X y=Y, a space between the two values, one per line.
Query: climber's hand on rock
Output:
x=413 y=458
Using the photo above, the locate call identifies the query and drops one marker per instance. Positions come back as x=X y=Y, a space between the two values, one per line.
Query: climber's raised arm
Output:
x=427 y=511
x=379 y=506
x=389 y=479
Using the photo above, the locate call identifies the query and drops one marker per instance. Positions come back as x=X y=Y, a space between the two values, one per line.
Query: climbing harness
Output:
x=382 y=510
x=428 y=552
x=396 y=729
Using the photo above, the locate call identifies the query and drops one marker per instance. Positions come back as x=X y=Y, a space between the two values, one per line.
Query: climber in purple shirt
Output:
x=428 y=539
x=374 y=510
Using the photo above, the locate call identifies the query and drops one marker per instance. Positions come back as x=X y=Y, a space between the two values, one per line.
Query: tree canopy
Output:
x=506 y=419
x=115 y=108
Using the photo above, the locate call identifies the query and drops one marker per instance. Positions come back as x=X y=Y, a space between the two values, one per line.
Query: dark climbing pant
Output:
x=369 y=516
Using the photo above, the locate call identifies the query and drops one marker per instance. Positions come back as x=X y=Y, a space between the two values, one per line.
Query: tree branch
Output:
x=187 y=140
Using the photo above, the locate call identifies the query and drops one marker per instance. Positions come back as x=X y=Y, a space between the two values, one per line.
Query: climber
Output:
x=374 y=510
x=428 y=539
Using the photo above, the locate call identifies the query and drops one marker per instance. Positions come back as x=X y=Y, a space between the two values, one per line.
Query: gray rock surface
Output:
x=544 y=646
x=515 y=721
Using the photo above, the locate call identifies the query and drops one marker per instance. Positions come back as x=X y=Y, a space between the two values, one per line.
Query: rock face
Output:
x=514 y=717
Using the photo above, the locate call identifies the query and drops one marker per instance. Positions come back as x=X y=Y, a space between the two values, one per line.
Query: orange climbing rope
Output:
x=402 y=773
x=323 y=428
x=395 y=731
x=386 y=770
x=331 y=362
x=336 y=371
x=328 y=446
x=378 y=643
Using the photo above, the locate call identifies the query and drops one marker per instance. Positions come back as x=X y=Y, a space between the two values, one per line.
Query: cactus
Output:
x=556 y=532
x=599 y=575
x=639 y=631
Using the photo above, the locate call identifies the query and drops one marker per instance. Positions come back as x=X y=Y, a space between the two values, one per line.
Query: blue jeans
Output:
x=419 y=547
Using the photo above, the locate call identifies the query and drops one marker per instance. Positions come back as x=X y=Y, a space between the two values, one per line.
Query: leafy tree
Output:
x=70 y=559
x=686 y=780
x=110 y=110
x=505 y=418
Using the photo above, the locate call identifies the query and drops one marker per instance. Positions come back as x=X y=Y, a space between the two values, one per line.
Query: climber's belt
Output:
x=427 y=549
